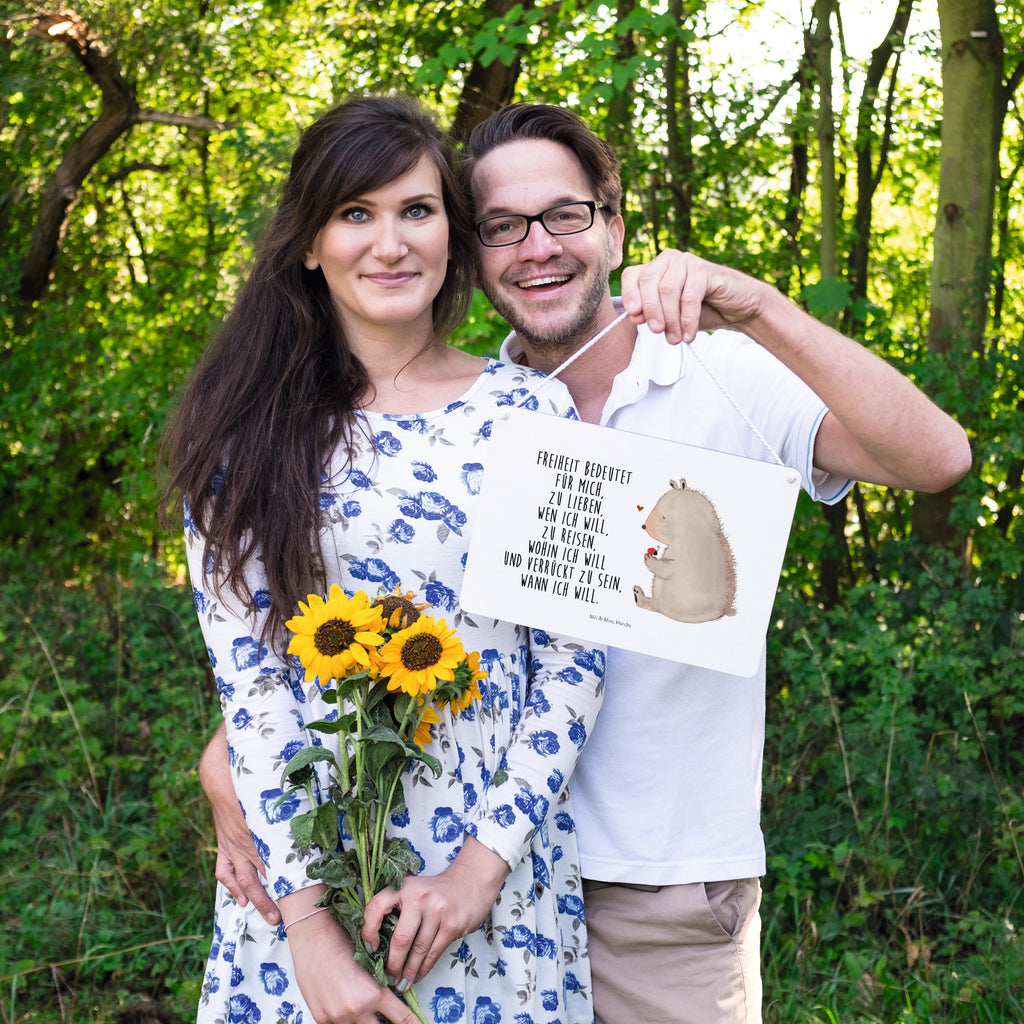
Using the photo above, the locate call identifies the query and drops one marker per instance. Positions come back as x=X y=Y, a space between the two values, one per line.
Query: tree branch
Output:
x=119 y=112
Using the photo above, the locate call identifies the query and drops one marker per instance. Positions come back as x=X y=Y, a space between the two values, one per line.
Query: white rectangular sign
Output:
x=629 y=541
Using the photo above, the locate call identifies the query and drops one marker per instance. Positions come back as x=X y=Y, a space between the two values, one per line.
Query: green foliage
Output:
x=893 y=802
x=107 y=867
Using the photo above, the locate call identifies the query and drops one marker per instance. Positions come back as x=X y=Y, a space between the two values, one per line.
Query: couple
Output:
x=666 y=794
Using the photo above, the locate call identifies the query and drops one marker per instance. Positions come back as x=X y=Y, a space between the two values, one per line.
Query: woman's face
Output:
x=385 y=254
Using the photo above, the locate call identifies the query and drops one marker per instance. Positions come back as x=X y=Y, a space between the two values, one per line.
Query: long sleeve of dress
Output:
x=263 y=704
x=564 y=697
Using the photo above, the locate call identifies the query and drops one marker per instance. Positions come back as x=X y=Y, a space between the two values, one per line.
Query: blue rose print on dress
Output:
x=374 y=570
x=555 y=781
x=487 y=1011
x=199 y=599
x=401 y=531
x=571 y=675
x=578 y=734
x=274 y=978
x=538 y=702
x=549 y=999
x=241 y=718
x=351 y=509
x=246 y=652
x=262 y=600
x=414 y=424
x=455 y=518
x=473 y=476
x=572 y=905
x=274 y=811
x=237 y=977
x=282 y=887
x=484 y=433
x=290 y=749
x=541 y=637
x=590 y=661
x=242 y=1010
x=446 y=825
x=505 y=816
x=448 y=1006
x=357 y=478
x=386 y=443
x=564 y=822
x=546 y=947
x=519 y=937
x=327 y=501
x=441 y=596
x=533 y=805
x=424 y=472
x=541 y=875
x=545 y=742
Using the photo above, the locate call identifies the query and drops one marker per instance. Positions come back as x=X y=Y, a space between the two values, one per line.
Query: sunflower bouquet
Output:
x=390 y=669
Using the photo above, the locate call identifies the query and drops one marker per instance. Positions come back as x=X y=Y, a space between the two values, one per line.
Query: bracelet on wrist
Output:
x=305 y=917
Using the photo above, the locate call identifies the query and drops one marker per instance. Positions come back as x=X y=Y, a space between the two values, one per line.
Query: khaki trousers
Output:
x=675 y=954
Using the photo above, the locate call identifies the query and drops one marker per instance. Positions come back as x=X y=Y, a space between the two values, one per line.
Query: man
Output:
x=667 y=792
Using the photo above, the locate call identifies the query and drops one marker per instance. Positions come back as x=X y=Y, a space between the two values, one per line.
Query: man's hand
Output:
x=678 y=293
x=238 y=864
x=435 y=910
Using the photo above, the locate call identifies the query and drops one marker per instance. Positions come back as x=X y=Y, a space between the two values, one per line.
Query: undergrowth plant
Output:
x=893 y=801
x=106 y=885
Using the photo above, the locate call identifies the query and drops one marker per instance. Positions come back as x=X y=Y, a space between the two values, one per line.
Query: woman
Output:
x=329 y=435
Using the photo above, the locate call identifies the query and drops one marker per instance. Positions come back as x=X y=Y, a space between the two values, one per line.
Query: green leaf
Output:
x=299 y=769
x=325 y=826
x=303 y=826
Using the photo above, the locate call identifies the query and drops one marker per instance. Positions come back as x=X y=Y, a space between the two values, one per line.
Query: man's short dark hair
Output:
x=521 y=121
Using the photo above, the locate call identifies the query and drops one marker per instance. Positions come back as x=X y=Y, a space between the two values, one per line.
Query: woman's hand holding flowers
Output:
x=435 y=910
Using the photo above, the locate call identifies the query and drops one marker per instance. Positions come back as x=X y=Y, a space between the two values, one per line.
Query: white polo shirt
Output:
x=668 y=789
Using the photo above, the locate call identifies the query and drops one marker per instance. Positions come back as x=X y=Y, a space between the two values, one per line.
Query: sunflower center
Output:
x=334 y=636
x=391 y=603
x=421 y=651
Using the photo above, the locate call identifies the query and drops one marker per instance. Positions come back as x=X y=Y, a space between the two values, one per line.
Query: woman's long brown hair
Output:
x=274 y=395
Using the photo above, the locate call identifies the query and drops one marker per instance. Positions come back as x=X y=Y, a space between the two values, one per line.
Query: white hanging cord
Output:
x=746 y=419
x=590 y=344
x=692 y=351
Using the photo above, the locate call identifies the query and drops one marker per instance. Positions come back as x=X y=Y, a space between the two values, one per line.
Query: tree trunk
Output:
x=679 y=132
x=869 y=170
x=117 y=115
x=973 y=104
x=819 y=55
x=487 y=89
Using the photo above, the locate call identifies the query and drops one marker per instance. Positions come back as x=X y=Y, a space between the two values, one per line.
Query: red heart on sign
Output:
x=639 y=508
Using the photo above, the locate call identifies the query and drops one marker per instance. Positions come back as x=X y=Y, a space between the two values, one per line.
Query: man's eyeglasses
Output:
x=564 y=219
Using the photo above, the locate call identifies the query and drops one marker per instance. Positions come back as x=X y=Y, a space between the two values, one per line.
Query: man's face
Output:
x=552 y=289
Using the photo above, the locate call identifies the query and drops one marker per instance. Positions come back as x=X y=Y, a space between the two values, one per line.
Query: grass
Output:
x=893 y=810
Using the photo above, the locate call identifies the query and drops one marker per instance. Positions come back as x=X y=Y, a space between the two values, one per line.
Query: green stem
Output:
x=414 y=1004
x=360 y=834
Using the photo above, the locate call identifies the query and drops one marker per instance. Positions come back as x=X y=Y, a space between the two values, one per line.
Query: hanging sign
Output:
x=629 y=541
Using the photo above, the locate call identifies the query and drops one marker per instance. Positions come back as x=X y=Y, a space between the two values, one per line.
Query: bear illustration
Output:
x=695 y=575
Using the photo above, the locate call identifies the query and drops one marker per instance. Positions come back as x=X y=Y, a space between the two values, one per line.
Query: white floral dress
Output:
x=403 y=515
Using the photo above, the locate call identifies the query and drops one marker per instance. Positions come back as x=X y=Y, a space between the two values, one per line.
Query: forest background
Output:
x=866 y=158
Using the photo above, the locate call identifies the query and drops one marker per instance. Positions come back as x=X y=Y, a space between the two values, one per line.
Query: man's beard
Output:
x=571 y=334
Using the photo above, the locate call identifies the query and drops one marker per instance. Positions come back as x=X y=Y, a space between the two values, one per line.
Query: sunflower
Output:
x=332 y=636
x=417 y=657
x=472 y=692
x=399 y=609
x=423 y=734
